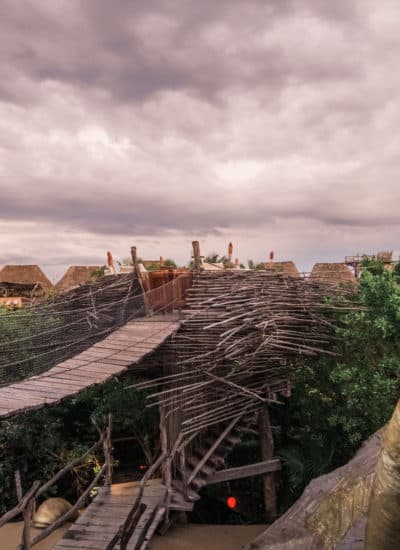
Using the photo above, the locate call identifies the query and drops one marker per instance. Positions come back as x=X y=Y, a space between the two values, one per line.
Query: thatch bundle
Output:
x=25 y=274
x=76 y=275
x=332 y=273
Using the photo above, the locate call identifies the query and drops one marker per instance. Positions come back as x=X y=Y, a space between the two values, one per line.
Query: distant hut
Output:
x=332 y=273
x=30 y=275
x=76 y=275
x=288 y=268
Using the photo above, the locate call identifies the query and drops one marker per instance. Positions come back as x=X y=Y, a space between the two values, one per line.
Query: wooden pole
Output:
x=196 y=255
x=27 y=513
x=107 y=447
x=267 y=453
x=136 y=269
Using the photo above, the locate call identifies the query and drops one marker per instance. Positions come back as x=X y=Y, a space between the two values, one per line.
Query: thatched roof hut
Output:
x=25 y=274
x=332 y=273
x=76 y=275
x=27 y=292
x=288 y=268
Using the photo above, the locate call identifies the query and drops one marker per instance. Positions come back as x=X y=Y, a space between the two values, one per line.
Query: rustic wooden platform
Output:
x=101 y=520
x=109 y=357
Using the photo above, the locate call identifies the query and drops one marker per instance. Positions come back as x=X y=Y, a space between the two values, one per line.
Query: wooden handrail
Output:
x=26 y=502
x=131 y=521
x=60 y=521
x=5 y=518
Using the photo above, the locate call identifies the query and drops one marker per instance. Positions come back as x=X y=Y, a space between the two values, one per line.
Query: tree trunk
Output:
x=383 y=525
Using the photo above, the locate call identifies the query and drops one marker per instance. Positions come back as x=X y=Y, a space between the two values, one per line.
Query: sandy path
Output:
x=187 y=537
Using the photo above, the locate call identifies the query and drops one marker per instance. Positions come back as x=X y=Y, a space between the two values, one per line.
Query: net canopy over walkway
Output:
x=36 y=338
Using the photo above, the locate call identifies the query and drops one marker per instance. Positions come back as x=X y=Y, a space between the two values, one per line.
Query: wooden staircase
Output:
x=209 y=456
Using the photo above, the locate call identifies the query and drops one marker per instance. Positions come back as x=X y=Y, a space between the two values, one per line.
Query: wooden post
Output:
x=136 y=269
x=267 y=453
x=27 y=513
x=166 y=464
x=196 y=255
x=107 y=447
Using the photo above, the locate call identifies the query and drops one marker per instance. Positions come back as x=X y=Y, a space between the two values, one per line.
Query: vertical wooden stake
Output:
x=136 y=269
x=267 y=453
x=27 y=514
x=107 y=447
x=196 y=255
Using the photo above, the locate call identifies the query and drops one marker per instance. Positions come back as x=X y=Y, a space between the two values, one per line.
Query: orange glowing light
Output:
x=231 y=502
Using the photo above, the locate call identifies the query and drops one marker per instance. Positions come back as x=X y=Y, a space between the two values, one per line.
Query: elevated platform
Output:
x=109 y=357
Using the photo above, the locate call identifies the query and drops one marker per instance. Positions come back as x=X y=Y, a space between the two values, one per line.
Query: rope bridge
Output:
x=36 y=338
x=62 y=346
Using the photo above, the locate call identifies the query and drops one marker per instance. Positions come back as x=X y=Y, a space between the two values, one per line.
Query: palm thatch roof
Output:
x=332 y=273
x=25 y=274
x=76 y=275
x=288 y=268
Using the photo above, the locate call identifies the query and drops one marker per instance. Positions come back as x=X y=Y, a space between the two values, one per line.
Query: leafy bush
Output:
x=339 y=402
x=21 y=330
x=41 y=442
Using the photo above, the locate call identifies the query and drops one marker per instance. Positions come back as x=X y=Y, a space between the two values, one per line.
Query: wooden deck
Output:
x=109 y=357
x=101 y=520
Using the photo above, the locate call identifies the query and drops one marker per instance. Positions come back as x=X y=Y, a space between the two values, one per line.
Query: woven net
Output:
x=35 y=338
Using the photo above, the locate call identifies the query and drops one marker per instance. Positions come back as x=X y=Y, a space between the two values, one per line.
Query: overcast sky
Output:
x=271 y=123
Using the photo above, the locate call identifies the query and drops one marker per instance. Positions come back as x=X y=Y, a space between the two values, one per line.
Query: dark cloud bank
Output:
x=134 y=119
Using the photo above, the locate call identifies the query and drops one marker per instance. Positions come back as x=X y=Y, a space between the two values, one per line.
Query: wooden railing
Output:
x=27 y=503
x=127 y=528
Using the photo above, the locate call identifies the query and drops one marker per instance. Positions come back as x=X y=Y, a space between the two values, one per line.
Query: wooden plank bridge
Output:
x=110 y=357
x=102 y=519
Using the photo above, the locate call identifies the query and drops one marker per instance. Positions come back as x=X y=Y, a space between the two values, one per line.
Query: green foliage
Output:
x=338 y=402
x=20 y=330
x=170 y=263
x=42 y=442
x=97 y=274
x=254 y=265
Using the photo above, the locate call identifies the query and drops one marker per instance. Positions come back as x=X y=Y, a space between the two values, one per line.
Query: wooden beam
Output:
x=213 y=447
x=245 y=471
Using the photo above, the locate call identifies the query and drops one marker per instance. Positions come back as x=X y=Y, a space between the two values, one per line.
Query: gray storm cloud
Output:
x=152 y=119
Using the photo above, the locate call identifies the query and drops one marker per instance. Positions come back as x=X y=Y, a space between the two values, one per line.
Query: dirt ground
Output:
x=187 y=537
x=207 y=537
x=10 y=537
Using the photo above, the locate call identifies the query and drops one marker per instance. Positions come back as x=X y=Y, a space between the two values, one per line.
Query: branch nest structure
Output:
x=241 y=334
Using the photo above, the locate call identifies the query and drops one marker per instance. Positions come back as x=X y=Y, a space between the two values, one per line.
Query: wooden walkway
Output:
x=109 y=357
x=101 y=520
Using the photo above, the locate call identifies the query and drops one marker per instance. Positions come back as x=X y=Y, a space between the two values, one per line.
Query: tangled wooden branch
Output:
x=235 y=349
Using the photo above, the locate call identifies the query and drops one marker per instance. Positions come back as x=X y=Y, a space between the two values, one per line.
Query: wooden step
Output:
x=205 y=471
x=214 y=459
x=180 y=487
x=179 y=503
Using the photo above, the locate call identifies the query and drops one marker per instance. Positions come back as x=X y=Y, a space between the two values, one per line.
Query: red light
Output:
x=231 y=502
x=142 y=467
